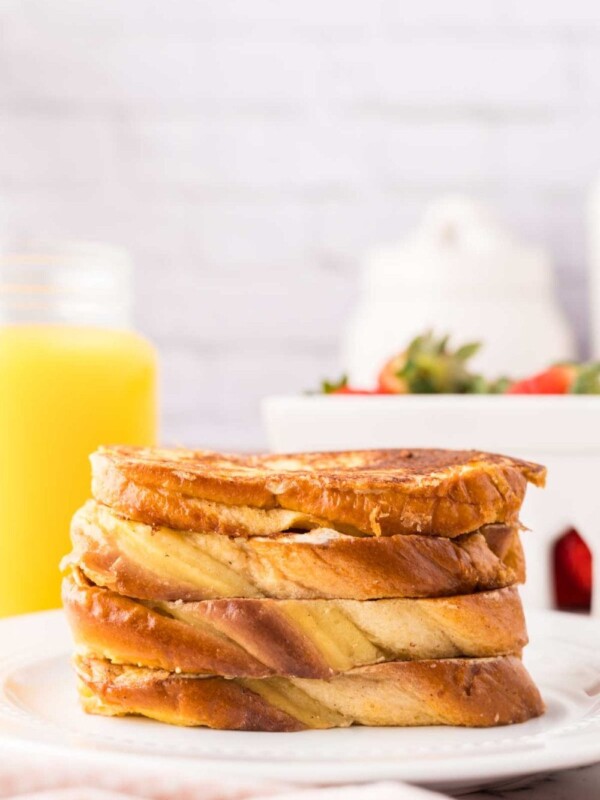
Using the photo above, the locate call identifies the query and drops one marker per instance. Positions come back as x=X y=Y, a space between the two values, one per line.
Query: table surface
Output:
x=573 y=784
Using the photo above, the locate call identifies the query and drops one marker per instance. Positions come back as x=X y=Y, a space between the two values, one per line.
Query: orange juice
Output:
x=72 y=377
x=63 y=391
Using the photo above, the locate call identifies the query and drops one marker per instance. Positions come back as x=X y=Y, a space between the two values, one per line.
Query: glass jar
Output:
x=72 y=376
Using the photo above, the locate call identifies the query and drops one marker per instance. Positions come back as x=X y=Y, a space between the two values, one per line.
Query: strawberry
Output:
x=556 y=380
x=352 y=390
x=389 y=381
x=342 y=387
x=572 y=572
x=430 y=366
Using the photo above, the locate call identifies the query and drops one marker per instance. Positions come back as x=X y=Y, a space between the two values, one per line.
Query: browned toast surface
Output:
x=467 y=692
x=369 y=492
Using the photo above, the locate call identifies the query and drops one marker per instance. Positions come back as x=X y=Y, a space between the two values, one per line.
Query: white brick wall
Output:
x=248 y=151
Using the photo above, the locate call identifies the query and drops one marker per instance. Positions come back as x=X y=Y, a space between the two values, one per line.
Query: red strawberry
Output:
x=556 y=380
x=572 y=572
x=389 y=382
x=430 y=366
x=342 y=387
x=352 y=390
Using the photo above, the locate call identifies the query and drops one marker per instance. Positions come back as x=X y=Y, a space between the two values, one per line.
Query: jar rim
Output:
x=68 y=281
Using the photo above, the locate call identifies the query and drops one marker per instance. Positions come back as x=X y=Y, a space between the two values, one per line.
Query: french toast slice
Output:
x=247 y=637
x=465 y=692
x=370 y=492
x=160 y=564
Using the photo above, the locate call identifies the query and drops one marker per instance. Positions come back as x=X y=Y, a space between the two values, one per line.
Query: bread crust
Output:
x=300 y=638
x=372 y=492
x=465 y=692
x=148 y=563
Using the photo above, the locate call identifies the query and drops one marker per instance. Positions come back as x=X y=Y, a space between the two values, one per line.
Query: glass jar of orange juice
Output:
x=72 y=376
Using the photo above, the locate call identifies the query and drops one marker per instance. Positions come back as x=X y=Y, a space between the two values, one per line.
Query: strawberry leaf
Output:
x=330 y=387
x=587 y=379
x=467 y=351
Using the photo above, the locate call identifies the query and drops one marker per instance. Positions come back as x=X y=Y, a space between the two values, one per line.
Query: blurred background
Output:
x=248 y=154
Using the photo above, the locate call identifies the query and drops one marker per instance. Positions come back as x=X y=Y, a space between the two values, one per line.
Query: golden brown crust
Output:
x=467 y=692
x=374 y=492
x=113 y=690
x=301 y=638
x=161 y=564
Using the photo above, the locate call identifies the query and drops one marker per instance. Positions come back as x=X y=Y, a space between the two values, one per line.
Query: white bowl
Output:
x=561 y=432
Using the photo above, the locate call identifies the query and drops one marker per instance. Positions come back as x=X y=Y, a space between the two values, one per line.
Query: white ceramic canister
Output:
x=460 y=273
x=593 y=239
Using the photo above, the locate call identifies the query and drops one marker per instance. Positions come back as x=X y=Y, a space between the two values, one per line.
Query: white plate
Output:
x=38 y=708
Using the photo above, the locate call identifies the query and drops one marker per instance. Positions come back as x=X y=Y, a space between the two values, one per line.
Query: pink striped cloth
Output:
x=48 y=777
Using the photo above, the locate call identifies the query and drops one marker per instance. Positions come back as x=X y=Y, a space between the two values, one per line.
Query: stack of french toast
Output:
x=318 y=590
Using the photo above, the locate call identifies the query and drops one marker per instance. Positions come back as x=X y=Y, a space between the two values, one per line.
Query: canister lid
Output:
x=459 y=244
